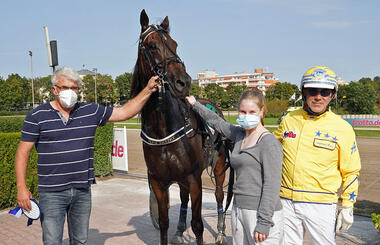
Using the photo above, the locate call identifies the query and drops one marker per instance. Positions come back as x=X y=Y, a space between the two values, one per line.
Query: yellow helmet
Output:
x=319 y=77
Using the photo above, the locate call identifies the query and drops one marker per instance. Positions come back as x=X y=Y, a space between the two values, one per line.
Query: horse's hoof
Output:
x=177 y=240
x=221 y=239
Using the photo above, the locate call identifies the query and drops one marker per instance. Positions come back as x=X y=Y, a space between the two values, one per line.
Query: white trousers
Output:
x=243 y=222
x=318 y=220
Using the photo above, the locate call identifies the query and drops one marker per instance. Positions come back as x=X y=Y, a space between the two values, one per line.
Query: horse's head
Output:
x=158 y=56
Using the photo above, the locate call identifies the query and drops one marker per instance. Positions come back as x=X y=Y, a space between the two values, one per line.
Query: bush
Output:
x=103 y=150
x=276 y=106
x=11 y=124
x=13 y=113
x=376 y=221
x=8 y=191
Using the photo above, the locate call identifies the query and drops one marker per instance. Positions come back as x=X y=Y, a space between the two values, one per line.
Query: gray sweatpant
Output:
x=244 y=224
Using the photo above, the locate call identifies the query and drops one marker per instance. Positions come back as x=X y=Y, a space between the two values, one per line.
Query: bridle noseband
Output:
x=159 y=69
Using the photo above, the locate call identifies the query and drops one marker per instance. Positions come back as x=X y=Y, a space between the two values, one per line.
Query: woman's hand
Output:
x=191 y=100
x=260 y=237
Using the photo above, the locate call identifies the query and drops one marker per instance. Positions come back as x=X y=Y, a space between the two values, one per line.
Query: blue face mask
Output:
x=248 y=121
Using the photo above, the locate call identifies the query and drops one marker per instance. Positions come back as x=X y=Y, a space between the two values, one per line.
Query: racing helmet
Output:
x=319 y=77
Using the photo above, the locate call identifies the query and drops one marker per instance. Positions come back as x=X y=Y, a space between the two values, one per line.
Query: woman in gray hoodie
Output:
x=257 y=160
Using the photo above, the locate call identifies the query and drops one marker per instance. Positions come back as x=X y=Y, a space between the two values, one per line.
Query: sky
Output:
x=227 y=36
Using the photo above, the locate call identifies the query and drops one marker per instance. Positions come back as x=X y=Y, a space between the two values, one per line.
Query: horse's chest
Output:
x=170 y=162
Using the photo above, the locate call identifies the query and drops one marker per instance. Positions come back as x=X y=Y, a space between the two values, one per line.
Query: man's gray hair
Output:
x=67 y=72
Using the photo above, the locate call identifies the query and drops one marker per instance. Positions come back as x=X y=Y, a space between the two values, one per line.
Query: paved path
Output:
x=120 y=215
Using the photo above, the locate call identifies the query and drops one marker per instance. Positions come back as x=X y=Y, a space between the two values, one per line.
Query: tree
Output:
x=15 y=92
x=2 y=96
x=282 y=91
x=42 y=89
x=88 y=88
x=123 y=83
x=107 y=92
x=196 y=90
x=233 y=93
x=354 y=101
x=214 y=93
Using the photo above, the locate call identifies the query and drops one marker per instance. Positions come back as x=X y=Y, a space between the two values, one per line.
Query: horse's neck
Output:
x=162 y=120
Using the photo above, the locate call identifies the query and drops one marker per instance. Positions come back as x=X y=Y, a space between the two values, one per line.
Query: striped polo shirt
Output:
x=65 y=148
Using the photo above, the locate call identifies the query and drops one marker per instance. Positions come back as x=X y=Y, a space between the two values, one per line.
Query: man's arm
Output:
x=132 y=107
x=21 y=163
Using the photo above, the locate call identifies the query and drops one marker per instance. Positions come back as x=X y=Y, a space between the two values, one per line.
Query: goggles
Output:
x=323 y=92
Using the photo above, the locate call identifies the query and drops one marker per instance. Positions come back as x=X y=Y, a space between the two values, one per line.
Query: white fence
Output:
x=361 y=116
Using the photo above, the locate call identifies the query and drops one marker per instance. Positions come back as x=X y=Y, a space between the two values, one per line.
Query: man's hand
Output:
x=345 y=219
x=23 y=198
x=153 y=84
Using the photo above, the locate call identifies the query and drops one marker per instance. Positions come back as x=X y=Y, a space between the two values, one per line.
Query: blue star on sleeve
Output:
x=327 y=135
x=352 y=196
x=318 y=133
x=335 y=138
x=353 y=148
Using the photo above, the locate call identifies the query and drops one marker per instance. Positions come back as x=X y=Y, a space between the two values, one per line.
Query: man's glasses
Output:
x=66 y=88
x=314 y=91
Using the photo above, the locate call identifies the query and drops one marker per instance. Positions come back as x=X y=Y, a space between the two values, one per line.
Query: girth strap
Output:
x=185 y=130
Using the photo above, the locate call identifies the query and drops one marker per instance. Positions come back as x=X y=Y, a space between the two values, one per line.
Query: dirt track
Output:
x=368 y=147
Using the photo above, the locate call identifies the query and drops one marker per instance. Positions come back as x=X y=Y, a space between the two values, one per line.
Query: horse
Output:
x=177 y=144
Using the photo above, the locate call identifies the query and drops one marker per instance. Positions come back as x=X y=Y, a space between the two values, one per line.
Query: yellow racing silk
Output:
x=320 y=153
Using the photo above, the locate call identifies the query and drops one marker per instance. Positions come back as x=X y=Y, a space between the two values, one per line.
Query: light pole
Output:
x=95 y=70
x=31 y=71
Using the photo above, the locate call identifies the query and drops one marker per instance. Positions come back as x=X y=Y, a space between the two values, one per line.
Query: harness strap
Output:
x=185 y=130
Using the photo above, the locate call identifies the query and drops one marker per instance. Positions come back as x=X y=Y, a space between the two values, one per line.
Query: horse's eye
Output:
x=153 y=46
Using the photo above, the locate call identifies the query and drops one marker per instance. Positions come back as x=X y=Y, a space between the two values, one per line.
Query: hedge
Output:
x=103 y=149
x=8 y=146
x=11 y=124
x=8 y=191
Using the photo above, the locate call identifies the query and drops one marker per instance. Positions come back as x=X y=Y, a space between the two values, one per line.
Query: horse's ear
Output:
x=165 y=24
x=144 y=20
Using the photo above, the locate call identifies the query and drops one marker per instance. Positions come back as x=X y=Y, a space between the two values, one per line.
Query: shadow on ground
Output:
x=147 y=234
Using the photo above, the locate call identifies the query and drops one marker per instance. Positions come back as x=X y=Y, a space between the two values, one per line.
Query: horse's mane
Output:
x=136 y=85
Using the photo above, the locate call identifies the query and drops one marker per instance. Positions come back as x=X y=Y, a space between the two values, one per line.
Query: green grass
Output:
x=134 y=123
x=367 y=133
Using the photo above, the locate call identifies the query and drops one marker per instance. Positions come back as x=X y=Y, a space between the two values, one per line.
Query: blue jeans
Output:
x=76 y=203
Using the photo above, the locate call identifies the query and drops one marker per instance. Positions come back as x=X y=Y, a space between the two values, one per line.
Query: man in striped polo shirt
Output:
x=63 y=133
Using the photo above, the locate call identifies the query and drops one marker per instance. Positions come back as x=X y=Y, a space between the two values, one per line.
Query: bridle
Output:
x=159 y=69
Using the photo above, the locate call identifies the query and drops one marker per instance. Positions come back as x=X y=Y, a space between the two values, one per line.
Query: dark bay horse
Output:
x=176 y=145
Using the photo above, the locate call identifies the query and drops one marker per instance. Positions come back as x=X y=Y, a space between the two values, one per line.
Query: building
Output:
x=84 y=72
x=261 y=80
x=341 y=81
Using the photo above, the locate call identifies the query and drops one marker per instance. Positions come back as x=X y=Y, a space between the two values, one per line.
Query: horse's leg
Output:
x=219 y=195
x=163 y=207
x=181 y=227
x=195 y=186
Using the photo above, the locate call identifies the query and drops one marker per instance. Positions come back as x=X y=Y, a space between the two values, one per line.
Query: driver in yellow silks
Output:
x=320 y=156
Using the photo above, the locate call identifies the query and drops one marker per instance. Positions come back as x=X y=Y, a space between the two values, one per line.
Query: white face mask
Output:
x=68 y=98
x=248 y=121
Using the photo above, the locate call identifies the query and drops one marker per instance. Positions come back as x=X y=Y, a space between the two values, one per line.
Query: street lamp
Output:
x=95 y=70
x=31 y=71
